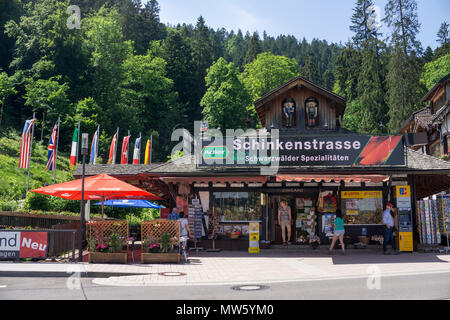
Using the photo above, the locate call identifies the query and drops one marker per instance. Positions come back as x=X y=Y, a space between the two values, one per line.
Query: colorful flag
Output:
x=74 y=151
x=94 y=148
x=51 y=160
x=124 y=154
x=25 y=146
x=147 y=152
x=137 y=151
x=112 y=150
x=204 y=126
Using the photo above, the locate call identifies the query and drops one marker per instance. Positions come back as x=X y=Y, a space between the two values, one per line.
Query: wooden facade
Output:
x=331 y=108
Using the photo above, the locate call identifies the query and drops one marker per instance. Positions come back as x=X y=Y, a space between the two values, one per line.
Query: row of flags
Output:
x=27 y=140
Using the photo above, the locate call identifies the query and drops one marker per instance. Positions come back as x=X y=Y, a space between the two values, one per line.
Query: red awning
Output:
x=331 y=178
x=221 y=180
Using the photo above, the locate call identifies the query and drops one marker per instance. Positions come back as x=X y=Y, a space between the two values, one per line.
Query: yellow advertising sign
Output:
x=254 y=236
x=254 y=250
x=362 y=195
x=403 y=191
x=406 y=241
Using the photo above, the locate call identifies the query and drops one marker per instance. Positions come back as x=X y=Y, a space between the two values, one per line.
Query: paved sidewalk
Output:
x=237 y=268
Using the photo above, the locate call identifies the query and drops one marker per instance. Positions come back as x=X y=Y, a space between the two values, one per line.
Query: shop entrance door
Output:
x=275 y=234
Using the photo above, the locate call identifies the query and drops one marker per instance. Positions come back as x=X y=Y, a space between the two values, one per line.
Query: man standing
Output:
x=174 y=215
x=388 y=222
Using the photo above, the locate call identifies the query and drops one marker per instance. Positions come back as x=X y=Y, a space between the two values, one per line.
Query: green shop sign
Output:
x=215 y=152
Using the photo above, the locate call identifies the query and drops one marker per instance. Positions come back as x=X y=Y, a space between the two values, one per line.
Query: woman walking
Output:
x=339 y=232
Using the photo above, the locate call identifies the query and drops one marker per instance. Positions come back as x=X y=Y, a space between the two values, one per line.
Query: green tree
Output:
x=443 y=34
x=371 y=91
x=403 y=88
x=202 y=51
x=224 y=103
x=48 y=98
x=254 y=48
x=347 y=69
x=265 y=73
x=153 y=104
x=362 y=22
x=6 y=89
x=435 y=71
x=105 y=45
x=177 y=53
x=402 y=81
x=401 y=17
x=87 y=113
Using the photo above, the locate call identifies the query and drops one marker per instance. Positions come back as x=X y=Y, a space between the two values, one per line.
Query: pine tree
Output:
x=403 y=79
x=202 y=51
x=401 y=17
x=363 y=22
x=254 y=48
x=443 y=34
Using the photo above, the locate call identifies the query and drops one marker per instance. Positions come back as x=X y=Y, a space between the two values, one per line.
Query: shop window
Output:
x=238 y=206
x=362 y=207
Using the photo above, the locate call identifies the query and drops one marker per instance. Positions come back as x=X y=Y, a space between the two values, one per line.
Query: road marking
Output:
x=2 y=286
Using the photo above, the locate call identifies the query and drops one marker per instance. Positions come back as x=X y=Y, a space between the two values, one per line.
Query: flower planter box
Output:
x=105 y=257
x=148 y=258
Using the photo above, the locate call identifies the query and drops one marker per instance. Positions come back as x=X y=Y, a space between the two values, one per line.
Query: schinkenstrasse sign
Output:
x=328 y=151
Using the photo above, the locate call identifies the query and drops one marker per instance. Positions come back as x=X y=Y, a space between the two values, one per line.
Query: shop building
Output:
x=320 y=167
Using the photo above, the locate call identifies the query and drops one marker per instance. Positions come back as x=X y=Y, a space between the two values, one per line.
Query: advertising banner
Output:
x=350 y=150
x=22 y=244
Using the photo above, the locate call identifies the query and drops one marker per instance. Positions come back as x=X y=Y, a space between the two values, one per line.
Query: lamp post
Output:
x=84 y=152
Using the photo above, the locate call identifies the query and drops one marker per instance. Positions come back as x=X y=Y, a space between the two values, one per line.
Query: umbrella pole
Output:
x=103 y=206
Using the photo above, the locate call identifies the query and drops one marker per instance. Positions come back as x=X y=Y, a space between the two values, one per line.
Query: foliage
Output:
x=266 y=73
x=115 y=243
x=225 y=97
x=165 y=242
x=435 y=71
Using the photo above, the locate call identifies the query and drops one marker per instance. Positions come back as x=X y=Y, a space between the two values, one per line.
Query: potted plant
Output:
x=163 y=252
x=107 y=250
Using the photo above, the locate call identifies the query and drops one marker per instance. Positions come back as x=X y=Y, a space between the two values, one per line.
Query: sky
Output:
x=322 y=19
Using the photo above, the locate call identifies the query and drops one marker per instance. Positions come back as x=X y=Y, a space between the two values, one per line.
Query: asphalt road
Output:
x=418 y=287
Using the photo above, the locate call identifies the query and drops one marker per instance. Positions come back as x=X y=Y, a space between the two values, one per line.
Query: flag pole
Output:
x=151 y=148
x=29 y=153
x=140 y=145
x=98 y=142
x=78 y=142
x=115 y=147
x=56 y=150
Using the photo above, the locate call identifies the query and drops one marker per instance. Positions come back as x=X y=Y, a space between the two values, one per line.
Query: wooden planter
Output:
x=105 y=257
x=148 y=258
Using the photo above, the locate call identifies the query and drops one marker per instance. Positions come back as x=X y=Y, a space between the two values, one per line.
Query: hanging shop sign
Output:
x=349 y=150
x=19 y=245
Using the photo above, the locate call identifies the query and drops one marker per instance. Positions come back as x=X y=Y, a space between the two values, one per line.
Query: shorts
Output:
x=284 y=224
x=339 y=232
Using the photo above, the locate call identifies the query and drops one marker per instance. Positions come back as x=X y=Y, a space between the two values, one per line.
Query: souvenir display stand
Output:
x=195 y=222
x=107 y=240
x=160 y=241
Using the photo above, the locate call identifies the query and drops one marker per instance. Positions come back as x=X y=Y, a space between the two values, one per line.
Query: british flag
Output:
x=52 y=149
x=25 y=146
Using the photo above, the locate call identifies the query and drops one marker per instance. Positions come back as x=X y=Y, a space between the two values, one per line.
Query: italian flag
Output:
x=74 y=152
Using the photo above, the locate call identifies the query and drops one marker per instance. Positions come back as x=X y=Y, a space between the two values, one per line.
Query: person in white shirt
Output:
x=388 y=222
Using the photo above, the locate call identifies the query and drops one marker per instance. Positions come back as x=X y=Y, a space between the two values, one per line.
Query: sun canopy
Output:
x=130 y=204
x=101 y=187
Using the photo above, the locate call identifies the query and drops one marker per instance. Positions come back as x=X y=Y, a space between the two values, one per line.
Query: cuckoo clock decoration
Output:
x=288 y=109
x=312 y=112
